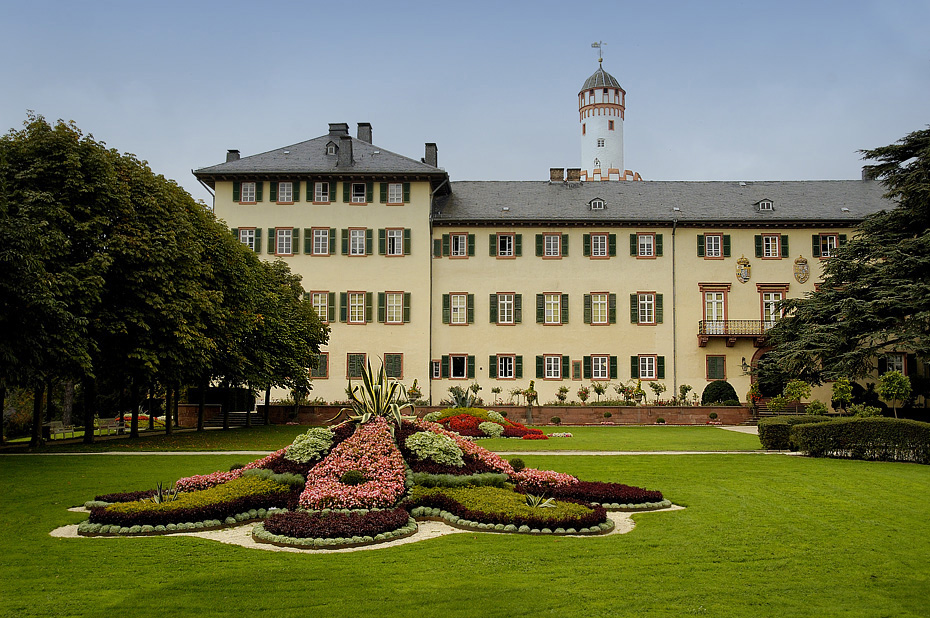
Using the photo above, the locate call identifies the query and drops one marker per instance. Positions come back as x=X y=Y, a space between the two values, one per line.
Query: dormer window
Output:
x=331 y=148
x=597 y=204
x=765 y=205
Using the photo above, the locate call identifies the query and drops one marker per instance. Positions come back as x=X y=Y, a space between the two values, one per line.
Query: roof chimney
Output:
x=364 y=131
x=345 y=150
x=432 y=155
x=868 y=173
x=574 y=174
x=338 y=128
x=232 y=155
x=556 y=174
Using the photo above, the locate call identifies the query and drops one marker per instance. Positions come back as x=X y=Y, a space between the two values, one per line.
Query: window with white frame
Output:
x=458 y=306
x=713 y=245
x=286 y=191
x=771 y=245
x=505 y=367
x=505 y=245
x=647 y=307
x=247 y=238
x=598 y=245
x=358 y=193
x=553 y=308
x=552 y=245
x=599 y=303
x=320 y=241
x=458 y=245
x=895 y=361
x=395 y=193
x=321 y=192
x=458 y=366
x=357 y=307
x=357 y=242
x=597 y=204
x=600 y=367
x=330 y=149
x=770 y=312
x=828 y=245
x=247 y=192
x=395 y=241
x=646 y=244
x=320 y=302
x=553 y=367
x=765 y=205
x=394 y=306
x=435 y=369
x=283 y=240
x=505 y=308
x=647 y=367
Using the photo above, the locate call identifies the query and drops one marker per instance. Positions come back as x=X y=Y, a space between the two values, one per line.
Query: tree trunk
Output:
x=90 y=408
x=150 y=406
x=201 y=404
x=225 y=413
x=37 y=417
x=2 y=408
x=267 y=404
x=134 y=402
x=177 y=402
x=67 y=403
x=48 y=402
x=168 y=429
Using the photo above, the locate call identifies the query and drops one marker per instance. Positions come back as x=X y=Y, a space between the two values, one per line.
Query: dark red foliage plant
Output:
x=332 y=525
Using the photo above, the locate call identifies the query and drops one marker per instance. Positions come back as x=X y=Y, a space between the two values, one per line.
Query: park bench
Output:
x=57 y=428
x=110 y=424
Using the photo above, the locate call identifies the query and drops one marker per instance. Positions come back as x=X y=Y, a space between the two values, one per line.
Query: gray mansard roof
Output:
x=833 y=202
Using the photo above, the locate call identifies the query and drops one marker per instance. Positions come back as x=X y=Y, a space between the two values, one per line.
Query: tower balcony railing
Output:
x=732 y=330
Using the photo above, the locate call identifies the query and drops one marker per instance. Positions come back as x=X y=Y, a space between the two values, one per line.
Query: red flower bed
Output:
x=464 y=424
x=302 y=525
x=127 y=496
x=535 y=436
x=594 y=491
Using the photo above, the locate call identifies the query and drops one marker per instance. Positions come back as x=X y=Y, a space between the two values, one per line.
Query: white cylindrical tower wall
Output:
x=601 y=106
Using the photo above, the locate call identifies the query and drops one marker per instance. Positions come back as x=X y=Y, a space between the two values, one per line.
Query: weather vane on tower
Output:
x=600 y=52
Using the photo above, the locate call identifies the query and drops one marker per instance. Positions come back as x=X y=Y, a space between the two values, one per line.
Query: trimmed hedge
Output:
x=336 y=524
x=600 y=492
x=775 y=432
x=881 y=439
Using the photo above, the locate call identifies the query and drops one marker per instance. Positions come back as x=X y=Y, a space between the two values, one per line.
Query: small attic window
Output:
x=331 y=148
x=765 y=205
x=597 y=204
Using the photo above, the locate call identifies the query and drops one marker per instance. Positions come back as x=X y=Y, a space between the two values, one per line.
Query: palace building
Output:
x=590 y=275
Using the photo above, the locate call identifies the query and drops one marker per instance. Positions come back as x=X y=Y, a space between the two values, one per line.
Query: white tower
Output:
x=601 y=104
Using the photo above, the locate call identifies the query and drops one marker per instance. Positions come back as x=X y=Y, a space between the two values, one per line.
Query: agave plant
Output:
x=539 y=502
x=162 y=494
x=377 y=396
x=462 y=397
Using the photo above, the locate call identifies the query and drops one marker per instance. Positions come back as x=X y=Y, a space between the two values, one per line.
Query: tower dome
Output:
x=601 y=105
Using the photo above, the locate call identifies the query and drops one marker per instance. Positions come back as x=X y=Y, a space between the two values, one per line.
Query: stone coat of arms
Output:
x=802 y=270
x=743 y=269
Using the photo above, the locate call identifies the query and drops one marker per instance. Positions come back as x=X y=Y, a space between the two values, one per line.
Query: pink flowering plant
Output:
x=536 y=481
x=371 y=450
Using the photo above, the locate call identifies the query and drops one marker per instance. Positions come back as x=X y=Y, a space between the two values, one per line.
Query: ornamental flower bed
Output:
x=335 y=524
x=467 y=422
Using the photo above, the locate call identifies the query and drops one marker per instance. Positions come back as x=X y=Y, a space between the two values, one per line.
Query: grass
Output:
x=762 y=536
x=269 y=438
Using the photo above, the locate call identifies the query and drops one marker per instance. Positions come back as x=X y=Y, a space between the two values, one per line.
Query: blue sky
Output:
x=715 y=90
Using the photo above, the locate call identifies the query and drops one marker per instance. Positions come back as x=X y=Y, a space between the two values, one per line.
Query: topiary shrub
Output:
x=491 y=430
x=718 y=391
x=352 y=477
x=730 y=402
x=607 y=414
x=311 y=445
x=435 y=447
x=882 y=439
x=236 y=466
x=660 y=421
x=817 y=408
x=863 y=411
x=555 y=420
x=432 y=417
x=517 y=464
x=713 y=416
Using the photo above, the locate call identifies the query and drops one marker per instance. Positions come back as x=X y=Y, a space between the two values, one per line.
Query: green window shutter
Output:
x=309 y=184
x=382 y=242
x=518 y=367
x=613 y=367
x=406 y=189
x=295 y=240
x=343 y=307
x=471 y=245
x=369 y=240
x=296 y=190
x=564 y=308
x=235 y=232
x=700 y=245
x=368 y=306
x=332 y=241
x=564 y=245
x=273 y=191
x=758 y=239
x=587 y=308
x=660 y=367
x=659 y=309
x=345 y=241
x=382 y=309
x=492 y=313
x=659 y=245
x=346 y=191
x=634 y=367
x=492 y=245
x=308 y=240
x=612 y=245
x=784 y=246
x=517 y=308
x=444 y=367
x=333 y=185
x=369 y=192
x=842 y=240
x=445 y=245
x=437 y=248
x=492 y=366
x=446 y=308
x=272 y=241
x=258 y=191
x=586 y=245
x=406 y=307
x=540 y=308
x=611 y=308
x=406 y=241
x=815 y=245
x=331 y=308
x=518 y=245
x=471 y=367
x=470 y=309
x=726 y=245
x=633 y=244
x=586 y=371
x=258 y=240
x=540 y=369
x=539 y=245
x=383 y=190
x=237 y=190
x=634 y=309
x=566 y=367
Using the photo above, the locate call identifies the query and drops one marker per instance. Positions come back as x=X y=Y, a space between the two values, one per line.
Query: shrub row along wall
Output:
x=775 y=432
x=883 y=439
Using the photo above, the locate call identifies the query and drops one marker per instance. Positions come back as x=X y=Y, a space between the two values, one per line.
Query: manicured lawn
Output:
x=762 y=536
x=621 y=438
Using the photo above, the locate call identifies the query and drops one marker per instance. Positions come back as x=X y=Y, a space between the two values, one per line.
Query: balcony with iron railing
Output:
x=732 y=330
